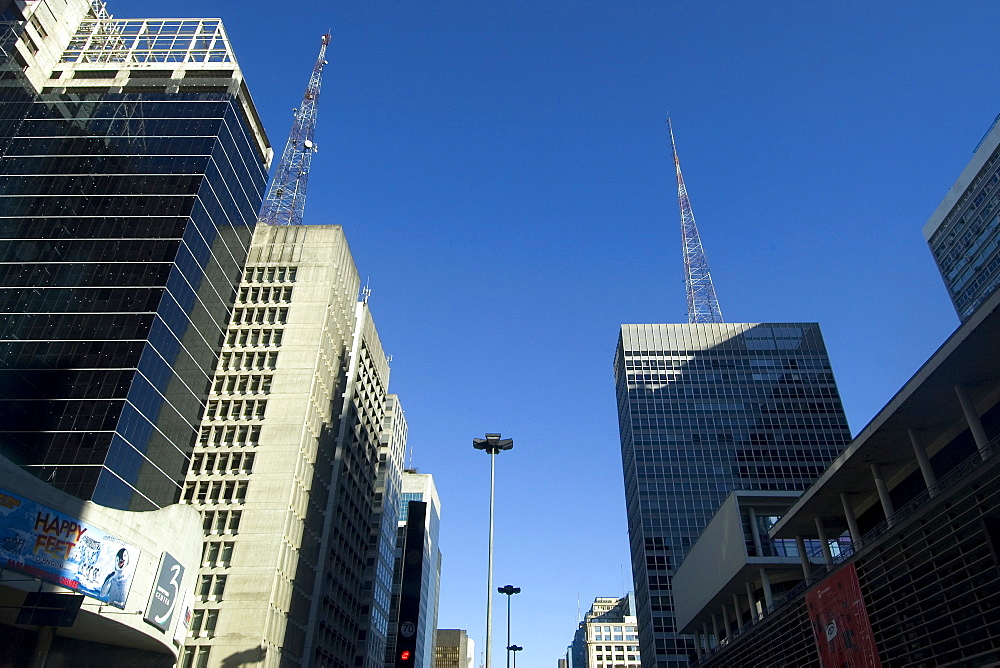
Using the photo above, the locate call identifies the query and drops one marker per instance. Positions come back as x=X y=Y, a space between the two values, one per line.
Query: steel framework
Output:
x=702 y=304
x=286 y=199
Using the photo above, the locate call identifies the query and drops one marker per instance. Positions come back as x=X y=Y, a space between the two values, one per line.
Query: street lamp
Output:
x=509 y=590
x=492 y=444
x=515 y=649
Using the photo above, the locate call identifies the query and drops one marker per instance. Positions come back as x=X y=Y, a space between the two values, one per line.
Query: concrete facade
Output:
x=285 y=469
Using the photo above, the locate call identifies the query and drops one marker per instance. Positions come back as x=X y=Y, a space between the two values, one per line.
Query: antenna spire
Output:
x=286 y=199
x=702 y=304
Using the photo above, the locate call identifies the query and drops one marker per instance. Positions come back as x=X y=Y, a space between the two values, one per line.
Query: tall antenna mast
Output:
x=702 y=304
x=286 y=199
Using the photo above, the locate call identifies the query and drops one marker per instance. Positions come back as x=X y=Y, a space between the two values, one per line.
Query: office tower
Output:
x=382 y=540
x=417 y=573
x=608 y=636
x=706 y=408
x=964 y=231
x=454 y=649
x=285 y=467
x=133 y=164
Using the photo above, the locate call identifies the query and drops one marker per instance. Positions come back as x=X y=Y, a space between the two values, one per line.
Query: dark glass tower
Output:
x=705 y=409
x=129 y=186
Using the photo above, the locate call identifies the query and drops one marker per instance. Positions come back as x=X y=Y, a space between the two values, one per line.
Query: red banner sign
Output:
x=840 y=623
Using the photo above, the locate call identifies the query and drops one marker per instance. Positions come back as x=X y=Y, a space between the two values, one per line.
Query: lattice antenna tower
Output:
x=285 y=203
x=702 y=304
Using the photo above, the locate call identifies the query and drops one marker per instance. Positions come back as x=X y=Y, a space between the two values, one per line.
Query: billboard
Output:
x=56 y=547
x=840 y=622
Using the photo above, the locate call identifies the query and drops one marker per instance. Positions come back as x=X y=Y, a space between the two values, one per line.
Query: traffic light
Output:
x=405 y=655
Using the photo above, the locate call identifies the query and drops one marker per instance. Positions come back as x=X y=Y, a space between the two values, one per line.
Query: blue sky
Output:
x=503 y=175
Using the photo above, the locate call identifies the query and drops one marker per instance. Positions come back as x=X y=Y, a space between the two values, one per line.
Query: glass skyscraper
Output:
x=705 y=409
x=133 y=165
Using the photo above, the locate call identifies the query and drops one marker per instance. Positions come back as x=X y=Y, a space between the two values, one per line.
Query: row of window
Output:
x=211 y=587
x=215 y=491
x=222 y=462
x=236 y=409
x=270 y=274
x=248 y=360
x=270 y=315
x=217 y=553
x=221 y=522
x=243 y=435
x=254 y=337
x=256 y=294
x=243 y=384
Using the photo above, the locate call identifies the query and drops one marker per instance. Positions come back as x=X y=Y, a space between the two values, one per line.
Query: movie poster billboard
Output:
x=840 y=622
x=62 y=549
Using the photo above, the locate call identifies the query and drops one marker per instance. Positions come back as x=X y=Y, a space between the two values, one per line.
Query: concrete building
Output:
x=417 y=573
x=132 y=170
x=705 y=409
x=964 y=231
x=907 y=522
x=83 y=584
x=608 y=636
x=286 y=464
x=454 y=648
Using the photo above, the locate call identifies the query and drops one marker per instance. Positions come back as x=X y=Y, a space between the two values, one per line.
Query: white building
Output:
x=286 y=465
x=608 y=634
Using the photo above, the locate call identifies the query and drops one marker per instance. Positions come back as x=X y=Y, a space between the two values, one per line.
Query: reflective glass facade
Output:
x=705 y=409
x=124 y=223
x=964 y=233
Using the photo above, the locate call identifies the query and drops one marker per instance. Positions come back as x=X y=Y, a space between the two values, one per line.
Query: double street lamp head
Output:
x=509 y=590
x=492 y=444
x=515 y=648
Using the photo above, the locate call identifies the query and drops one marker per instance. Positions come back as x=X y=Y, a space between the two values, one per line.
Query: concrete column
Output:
x=708 y=639
x=852 y=521
x=697 y=643
x=753 y=602
x=755 y=532
x=42 y=646
x=972 y=417
x=883 y=492
x=926 y=470
x=766 y=585
x=715 y=628
x=800 y=545
x=725 y=621
x=736 y=608
x=824 y=541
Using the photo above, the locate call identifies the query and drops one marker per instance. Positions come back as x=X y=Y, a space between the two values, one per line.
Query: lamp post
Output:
x=515 y=649
x=492 y=444
x=509 y=590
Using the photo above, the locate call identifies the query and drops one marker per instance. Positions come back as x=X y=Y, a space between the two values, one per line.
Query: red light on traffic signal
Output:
x=405 y=656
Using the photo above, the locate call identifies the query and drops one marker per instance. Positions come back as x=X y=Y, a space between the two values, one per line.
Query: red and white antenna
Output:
x=285 y=203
